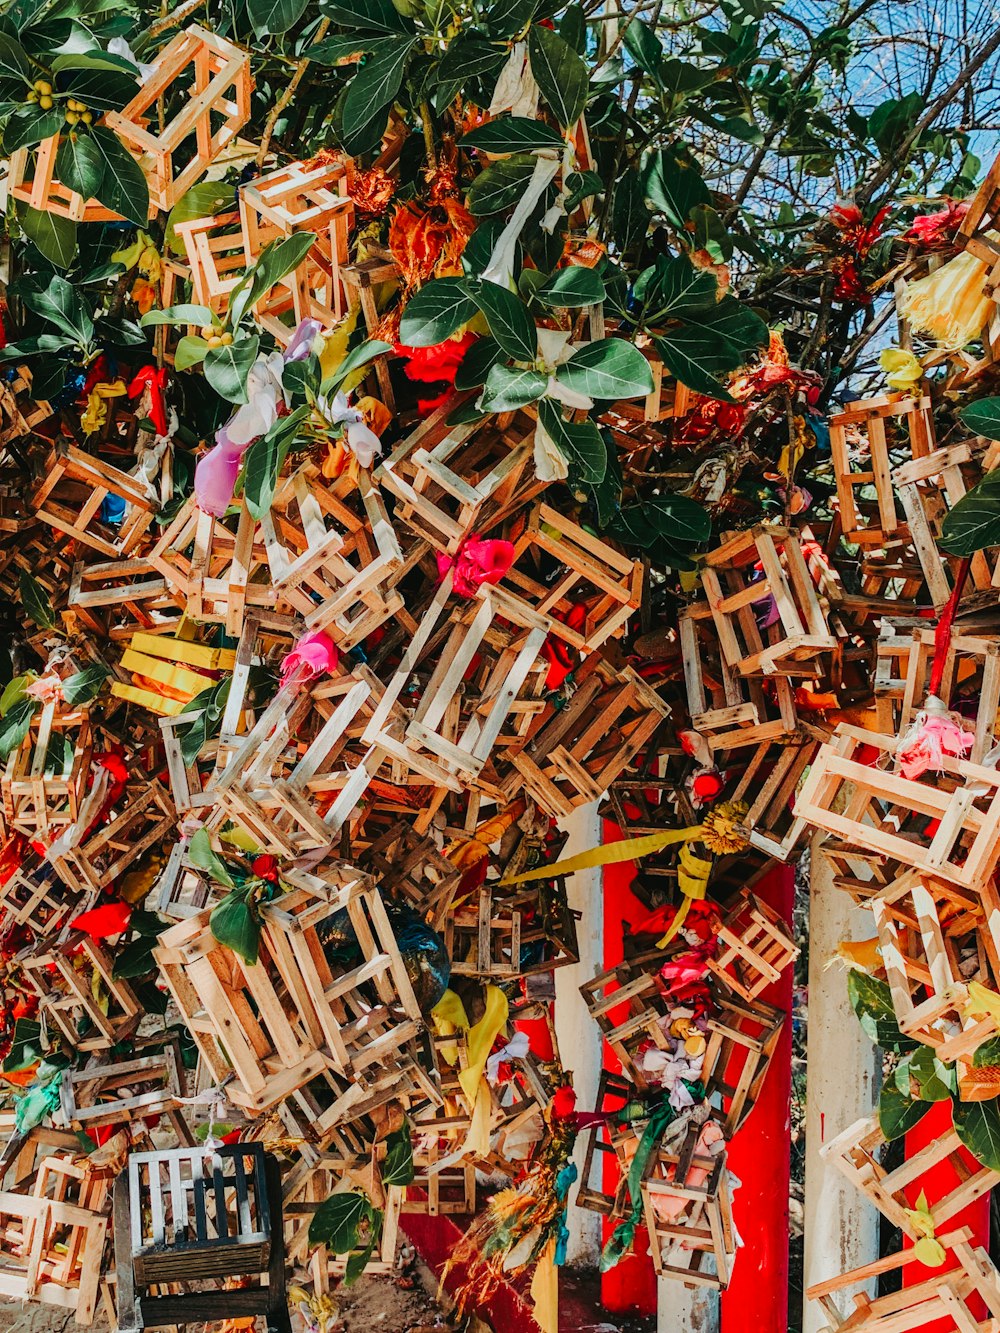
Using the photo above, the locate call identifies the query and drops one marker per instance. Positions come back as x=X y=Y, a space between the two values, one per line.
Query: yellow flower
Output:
x=722 y=830
x=949 y=303
x=902 y=369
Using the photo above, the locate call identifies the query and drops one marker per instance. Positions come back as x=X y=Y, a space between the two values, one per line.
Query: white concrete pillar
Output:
x=842 y=1085
x=681 y=1309
x=580 y=1041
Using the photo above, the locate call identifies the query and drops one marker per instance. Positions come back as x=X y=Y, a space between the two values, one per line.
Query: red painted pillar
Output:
x=935 y=1184
x=760 y=1156
x=631 y=1285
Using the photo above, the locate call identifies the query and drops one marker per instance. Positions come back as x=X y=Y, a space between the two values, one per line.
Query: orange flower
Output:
x=586 y=253
x=423 y=242
x=371 y=190
x=144 y=295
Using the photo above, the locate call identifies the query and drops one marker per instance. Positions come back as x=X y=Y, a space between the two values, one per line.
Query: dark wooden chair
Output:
x=189 y=1215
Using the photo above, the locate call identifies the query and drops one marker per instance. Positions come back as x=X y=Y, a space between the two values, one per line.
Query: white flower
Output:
x=554 y=350
x=550 y=462
x=362 y=441
x=264 y=392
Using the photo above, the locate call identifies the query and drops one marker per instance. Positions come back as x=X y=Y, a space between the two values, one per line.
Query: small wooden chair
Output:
x=191 y=1214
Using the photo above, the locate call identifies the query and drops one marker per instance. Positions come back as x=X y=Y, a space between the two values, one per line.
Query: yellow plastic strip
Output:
x=610 y=854
x=192 y=654
x=156 y=703
x=165 y=673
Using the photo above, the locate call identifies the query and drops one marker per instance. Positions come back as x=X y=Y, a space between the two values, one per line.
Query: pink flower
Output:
x=936 y=231
x=316 y=652
x=46 y=689
x=477 y=562
x=935 y=735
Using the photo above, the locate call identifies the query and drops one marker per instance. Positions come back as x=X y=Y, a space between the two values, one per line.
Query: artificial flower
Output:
x=949 y=304
x=302 y=341
x=370 y=191
x=902 y=369
x=315 y=654
x=936 y=231
x=46 y=689
x=476 y=563
x=216 y=473
x=437 y=364
x=360 y=439
x=934 y=735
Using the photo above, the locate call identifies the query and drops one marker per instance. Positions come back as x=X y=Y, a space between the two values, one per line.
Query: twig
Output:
x=288 y=94
x=428 y=128
x=177 y=17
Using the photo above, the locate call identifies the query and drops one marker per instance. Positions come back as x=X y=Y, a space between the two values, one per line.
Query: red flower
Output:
x=850 y=285
x=858 y=236
x=266 y=867
x=437 y=364
x=936 y=231
x=563 y=1102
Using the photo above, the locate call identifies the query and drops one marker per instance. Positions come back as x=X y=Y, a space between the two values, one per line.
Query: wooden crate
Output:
x=856 y=1153
x=923 y=923
x=882 y=807
x=928 y=489
x=413 y=870
x=42 y=790
x=688 y=1214
x=944 y=1295
x=216 y=261
x=728 y=576
x=728 y=710
x=754 y=949
x=110 y=598
x=768 y=785
x=32 y=180
x=971 y=673
x=71 y=490
x=118 y=1092
x=143 y=817
x=293 y=198
x=872 y=522
x=90 y=1009
x=34 y=896
x=208 y=80
x=577 y=751
x=452 y=481
x=977 y=231
x=496 y=933
x=588 y=571
x=334 y=566
x=742 y=1037
x=283 y=1020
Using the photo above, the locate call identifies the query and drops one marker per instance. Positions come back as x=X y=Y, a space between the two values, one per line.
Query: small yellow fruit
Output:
x=32 y=95
x=207 y=331
x=72 y=117
x=226 y=340
x=43 y=87
x=45 y=102
x=215 y=341
x=87 y=117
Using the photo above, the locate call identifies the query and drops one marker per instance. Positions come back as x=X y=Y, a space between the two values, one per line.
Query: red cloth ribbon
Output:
x=101 y=922
x=476 y=563
x=561 y=657
x=156 y=381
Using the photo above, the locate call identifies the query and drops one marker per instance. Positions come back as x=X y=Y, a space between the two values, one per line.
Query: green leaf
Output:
x=982 y=417
x=507 y=389
x=334 y=49
x=579 y=442
x=373 y=90
x=203 y=200
x=977 y=1125
x=696 y=357
x=190 y=351
x=571 y=287
x=512 y=134
x=123 y=186
x=610 y=368
x=366 y=15
x=263 y=460
x=53 y=236
x=629 y=214
x=14 y=64
x=35 y=601
x=84 y=685
x=227 y=368
x=974 y=523
x=936 y=1080
x=897 y=1113
x=397 y=1169
x=101 y=89
x=467 y=57
x=500 y=186
x=210 y=705
x=435 y=312
x=26 y=1045
x=59 y=302
x=14 y=692
x=677 y=290
x=336 y=1223
x=871 y=1000
x=28 y=126
x=673 y=184
x=356 y=358
x=274 y=16
x=675 y=518
x=135 y=960
x=16 y=724
x=477 y=363
x=986 y=1055
x=234 y=925
x=510 y=323
x=506 y=18
x=178 y=314
x=643 y=45
x=201 y=854
x=79 y=165
x=561 y=75
x=275 y=262
x=357 y=1260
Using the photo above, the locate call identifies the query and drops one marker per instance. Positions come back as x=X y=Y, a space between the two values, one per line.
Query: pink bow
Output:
x=316 y=652
x=926 y=749
x=477 y=562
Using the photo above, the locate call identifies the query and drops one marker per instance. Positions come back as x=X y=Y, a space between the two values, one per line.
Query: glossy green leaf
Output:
x=123 y=185
x=610 y=368
x=561 y=75
x=572 y=287
x=507 y=315
x=28 y=126
x=974 y=522
x=355 y=359
x=580 y=442
x=53 y=236
x=202 y=855
x=982 y=417
x=477 y=363
x=337 y=1222
x=178 y=314
x=274 y=16
x=508 y=388
x=897 y=1113
x=435 y=312
x=35 y=601
x=871 y=1000
x=190 y=351
x=79 y=165
x=373 y=90
x=367 y=15
x=500 y=186
x=59 y=302
x=203 y=200
x=397 y=1169
x=101 y=89
x=673 y=184
x=512 y=134
x=227 y=368
x=15 y=725
x=14 y=64
x=977 y=1125
x=263 y=460
x=85 y=685
x=235 y=925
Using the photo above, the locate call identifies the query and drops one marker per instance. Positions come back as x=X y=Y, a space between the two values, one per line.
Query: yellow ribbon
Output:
x=982 y=1002
x=449 y=1017
x=95 y=413
x=545 y=1290
x=480 y=1041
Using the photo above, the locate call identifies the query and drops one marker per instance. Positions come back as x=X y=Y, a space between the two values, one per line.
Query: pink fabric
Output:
x=936 y=738
x=316 y=652
x=669 y=1207
x=477 y=562
x=215 y=477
